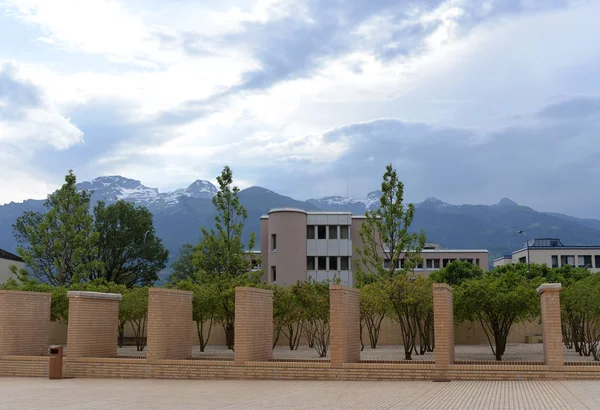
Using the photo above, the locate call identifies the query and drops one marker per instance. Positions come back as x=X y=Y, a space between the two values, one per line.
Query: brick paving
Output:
x=36 y=393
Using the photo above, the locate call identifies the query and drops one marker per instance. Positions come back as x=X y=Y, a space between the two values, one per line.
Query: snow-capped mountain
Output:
x=345 y=203
x=115 y=187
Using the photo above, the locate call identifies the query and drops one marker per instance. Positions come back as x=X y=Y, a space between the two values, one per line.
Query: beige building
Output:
x=553 y=253
x=297 y=245
x=6 y=260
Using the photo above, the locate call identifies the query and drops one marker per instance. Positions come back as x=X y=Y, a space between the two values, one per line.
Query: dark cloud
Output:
x=573 y=108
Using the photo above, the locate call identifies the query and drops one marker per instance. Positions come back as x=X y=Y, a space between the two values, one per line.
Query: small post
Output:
x=443 y=325
x=551 y=322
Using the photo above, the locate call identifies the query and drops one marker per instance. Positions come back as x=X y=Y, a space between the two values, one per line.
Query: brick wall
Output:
x=253 y=324
x=553 y=343
x=24 y=322
x=344 y=319
x=169 y=318
x=93 y=324
x=443 y=322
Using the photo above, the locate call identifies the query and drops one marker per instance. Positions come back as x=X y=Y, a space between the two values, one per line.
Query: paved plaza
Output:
x=76 y=394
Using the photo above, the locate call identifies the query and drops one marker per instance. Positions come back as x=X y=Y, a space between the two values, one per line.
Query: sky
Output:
x=470 y=100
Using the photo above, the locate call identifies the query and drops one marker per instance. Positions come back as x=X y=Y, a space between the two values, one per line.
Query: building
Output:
x=503 y=260
x=297 y=245
x=553 y=253
x=6 y=260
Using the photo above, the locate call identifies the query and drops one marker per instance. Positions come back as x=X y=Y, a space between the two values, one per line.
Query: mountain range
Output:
x=179 y=214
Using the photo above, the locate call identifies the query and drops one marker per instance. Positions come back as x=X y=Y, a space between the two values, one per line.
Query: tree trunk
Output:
x=229 y=334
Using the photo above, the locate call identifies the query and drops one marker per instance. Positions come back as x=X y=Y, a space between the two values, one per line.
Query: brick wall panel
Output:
x=344 y=319
x=253 y=325
x=169 y=318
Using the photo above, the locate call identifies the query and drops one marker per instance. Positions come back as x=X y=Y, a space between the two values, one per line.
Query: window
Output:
x=567 y=260
x=584 y=261
x=273 y=274
x=433 y=263
x=447 y=261
x=254 y=263
x=420 y=265
x=333 y=265
x=332 y=231
x=310 y=232
x=597 y=257
x=344 y=263
x=344 y=232
x=310 y=263
x=467 y=260
x=322 y=232
x=322 y=263
x=386 y=263
x=477 y=261
x=523 y=260
x=273 y=242
x=555 y=261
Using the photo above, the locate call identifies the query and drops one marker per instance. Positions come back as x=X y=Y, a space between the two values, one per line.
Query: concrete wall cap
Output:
x=549 y=287
x=94 y=295
x=25 y=292
x=171 y=291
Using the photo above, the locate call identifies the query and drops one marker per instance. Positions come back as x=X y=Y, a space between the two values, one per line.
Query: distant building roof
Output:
x=552 y=243
x=10 y=256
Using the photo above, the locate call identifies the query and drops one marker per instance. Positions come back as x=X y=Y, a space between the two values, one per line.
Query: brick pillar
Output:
x=253 y=325
x=344 y=322
x=443 y=325
x=553 y=342
x=169 y=319
x=93 y=324
x=24 y=323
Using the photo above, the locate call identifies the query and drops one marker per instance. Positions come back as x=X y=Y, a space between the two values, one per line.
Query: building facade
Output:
x=553 y=253
x=8 y=259
x=297 y=245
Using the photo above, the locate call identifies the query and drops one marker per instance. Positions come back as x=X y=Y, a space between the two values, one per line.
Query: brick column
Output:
x=443 y=325
x=253 y=325
x=344 y=322
x=93 y=324
x=169 y=319
x=553 y=342
x=24 y=323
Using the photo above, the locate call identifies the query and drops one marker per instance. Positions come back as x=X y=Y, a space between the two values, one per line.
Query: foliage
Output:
x=411 y=300
x=220 y=255
x=58 y=246
x=183 y=268
x=374 y=307
x=384 y=234
x=497 y=300
x=287 y=316
x=456 y=273
x=313 y=300
x=129 y=250
x=134 y=310
x=581 y=314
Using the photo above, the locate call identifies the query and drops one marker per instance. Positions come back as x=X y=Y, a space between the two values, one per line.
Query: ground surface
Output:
x=514 y=352
x=75 y=394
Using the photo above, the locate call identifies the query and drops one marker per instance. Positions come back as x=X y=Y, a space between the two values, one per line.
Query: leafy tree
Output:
x=58 y=246
x=412 y=307
x=384 y=234
x=456 y=272
x=287 y=317
x=220 y=256
x=134 y=310
x=313 y=299
x=497 y=300
x=183 y=268
x=129 y=250
x=374 y=307
x=581 y=302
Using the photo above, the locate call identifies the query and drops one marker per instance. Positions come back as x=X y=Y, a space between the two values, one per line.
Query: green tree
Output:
x=497 y=300
x=385 y=236
x=58 y=246
x=130 y=252
x=374 y=307
x=134 y=310
x=313 y=299
x=220 y=256
x=456 y=273
x=287 y=317
x=183 y=268
x=581 y=302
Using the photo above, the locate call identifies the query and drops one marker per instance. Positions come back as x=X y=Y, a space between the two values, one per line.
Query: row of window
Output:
x=430 y=263
x=583 y=261
x=327 y=232
x=327 y=263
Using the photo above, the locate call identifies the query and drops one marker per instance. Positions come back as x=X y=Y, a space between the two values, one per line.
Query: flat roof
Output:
x=452 y=251
x=307 y=212
x=558 y=248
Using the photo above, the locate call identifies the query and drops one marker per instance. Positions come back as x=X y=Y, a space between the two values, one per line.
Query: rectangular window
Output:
x=433 y=263
x=273 y=242
x=523 y=260
x=322 y=263
x=447 y=261
x=273 y=274
x=401 y=264
x=420 y=265
x=333 y=232
x=386 y=263
x=555 y=261
x=344 y=232
x=477 y=261
x=467 y=260
x=597 y=257
x=322 y=232
x=567 y=260
x=310 y=263
x=254 y=263
x=310 y=232
x=584 y=261
x=344 y=263
x=333 y=265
